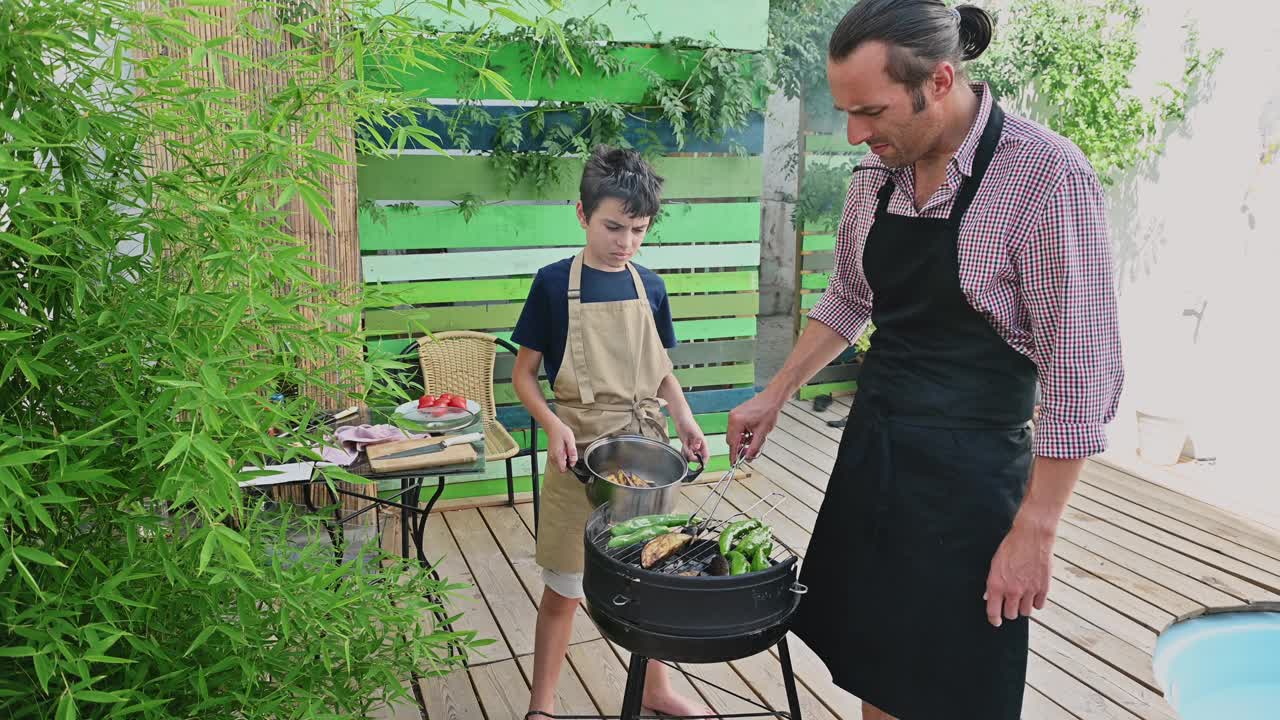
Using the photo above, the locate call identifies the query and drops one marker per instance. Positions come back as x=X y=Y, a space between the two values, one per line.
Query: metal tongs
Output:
x=717 y=491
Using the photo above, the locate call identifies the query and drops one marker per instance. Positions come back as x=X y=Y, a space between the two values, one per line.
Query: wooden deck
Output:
x=1131 y=556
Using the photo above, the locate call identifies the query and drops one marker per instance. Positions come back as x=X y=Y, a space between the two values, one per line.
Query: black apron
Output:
x=932 y=467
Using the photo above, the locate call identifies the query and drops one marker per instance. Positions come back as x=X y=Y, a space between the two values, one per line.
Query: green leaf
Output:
x=235 y=315
x=206 y=552
x=31 y=248
x=97 y=696
x=204 y=635
x=26 y=457
x=180 y=446
x=17 y=651
x=66 y=706
x=37 y=556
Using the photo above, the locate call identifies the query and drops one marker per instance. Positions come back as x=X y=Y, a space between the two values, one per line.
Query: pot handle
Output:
x=581 y=472
x=690 y=474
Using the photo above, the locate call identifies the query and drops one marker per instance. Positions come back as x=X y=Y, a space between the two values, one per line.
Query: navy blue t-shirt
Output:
x=544 y=322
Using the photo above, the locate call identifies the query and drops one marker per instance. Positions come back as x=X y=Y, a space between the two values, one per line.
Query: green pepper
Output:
x=754 y=540
x=737 y=562
x=640 y=535
x=731 y=533
x=647 y=521
x=761 y=560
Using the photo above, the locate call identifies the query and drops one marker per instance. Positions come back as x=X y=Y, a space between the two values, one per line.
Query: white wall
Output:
x=1197 y=240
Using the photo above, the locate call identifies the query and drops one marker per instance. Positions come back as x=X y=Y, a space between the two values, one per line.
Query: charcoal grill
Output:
x=674 y=613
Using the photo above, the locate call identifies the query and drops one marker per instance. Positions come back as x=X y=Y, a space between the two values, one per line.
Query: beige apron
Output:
x=608 y=382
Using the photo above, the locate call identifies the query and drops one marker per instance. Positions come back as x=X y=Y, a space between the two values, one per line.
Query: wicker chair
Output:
x=461 y=362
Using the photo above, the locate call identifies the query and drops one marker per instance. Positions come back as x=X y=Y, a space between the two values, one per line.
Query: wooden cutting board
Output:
x=457 y=455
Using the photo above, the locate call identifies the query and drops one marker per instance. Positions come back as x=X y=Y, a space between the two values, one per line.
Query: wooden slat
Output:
x=405 y=708
x=1117 y=653
x=511 y=607
x=496 y=263
x=513 y=226
x=1102 y=678
x=1102 y=615
x=504 y=315
x=1198 y=513
x=1035 y=706
x=813 y=674
x=815 y=280
x=1208 y=540
x=440 y=292
x=818 y=262
x=502 y=689
x=739 y=24
x=681 y=685
x=518 y=545
x=1080 y=699
x=452 y=697
x=1152 y=592
x=446 y=177
x=1177 y=581
x=819 y=243
x=805 y=415
x=443 y=551
x=571 y=696
x=1268 y=583
x=788 y=482
x=763 y=673
x=604 y=678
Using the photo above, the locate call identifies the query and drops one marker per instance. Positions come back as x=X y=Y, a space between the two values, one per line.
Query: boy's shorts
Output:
x=564 y=584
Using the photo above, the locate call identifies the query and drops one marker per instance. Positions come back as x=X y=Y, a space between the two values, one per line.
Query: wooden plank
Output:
x=451 y=697
x=811 y=437
x=502 y=689
x=571 y=696
x=806 y=417
x=1267 y=584
x=1182 y=583
x=1035 y=706
x=448 y=78
x=452 y=177
x=678 y=681
x=404 y=708
x=815 y=280
x=440 y=292
x=504 y=315
x=811 y=456
x=818 y=262
x=442 y=550
x=793 y=463
x=604 y=678
x=763 y=673
x=819 y=243
x=496 y=263
x=1191 y=532
x=738 y=24
x=518 y=545
x=1131 y=606
x=1153 y=592
x=1212 y=576
x=788 y=482
x=1196 y=512
x=454 y=128
x=1080 y=699
x=511 y=607
x=1102 y=678
x=504 y=393
x=813 y=674
x=514 y=226
x=1117 y=653
x=1105 y=617
x=683 y=354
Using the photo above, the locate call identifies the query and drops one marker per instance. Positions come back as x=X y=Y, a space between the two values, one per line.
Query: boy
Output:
x=601 y=326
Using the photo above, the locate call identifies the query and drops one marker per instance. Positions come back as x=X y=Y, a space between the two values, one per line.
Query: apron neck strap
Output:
x=981 y=160
x=577 y=345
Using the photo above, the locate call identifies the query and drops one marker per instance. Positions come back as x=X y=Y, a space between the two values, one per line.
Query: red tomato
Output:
x=426 y=401
x=442 y=401
x=458 y=402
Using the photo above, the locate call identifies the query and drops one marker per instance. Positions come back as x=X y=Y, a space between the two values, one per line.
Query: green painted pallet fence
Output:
x=817 y=260
x=705 y=20
x=430 y=269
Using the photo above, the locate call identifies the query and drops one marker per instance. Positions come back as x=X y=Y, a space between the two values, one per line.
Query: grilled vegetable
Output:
x=662 y=547
x=737 y=563
x=627 y=479
x=719 y=566
x=638 y=523
x=733 y=532
x=638 y=536
x=761 y=560
x=753 y=540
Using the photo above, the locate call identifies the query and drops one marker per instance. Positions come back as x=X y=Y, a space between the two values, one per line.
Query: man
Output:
x=976 y=241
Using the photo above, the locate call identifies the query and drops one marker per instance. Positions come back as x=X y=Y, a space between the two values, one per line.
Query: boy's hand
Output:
x=562 y=447
x=695 y=445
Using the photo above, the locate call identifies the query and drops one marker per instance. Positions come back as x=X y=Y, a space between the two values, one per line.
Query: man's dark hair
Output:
x=623 y=174
x=920 y=34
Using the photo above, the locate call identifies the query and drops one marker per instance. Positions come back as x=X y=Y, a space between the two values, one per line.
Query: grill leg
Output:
x=635 y=687
x=789 y=678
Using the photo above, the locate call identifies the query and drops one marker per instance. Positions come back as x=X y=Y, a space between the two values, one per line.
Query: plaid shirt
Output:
x=1035 y=260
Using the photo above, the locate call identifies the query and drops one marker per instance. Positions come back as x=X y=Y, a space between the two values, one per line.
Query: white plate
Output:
x=452 y=419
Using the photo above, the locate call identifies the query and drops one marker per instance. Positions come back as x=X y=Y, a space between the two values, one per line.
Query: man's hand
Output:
x=692 y=440
x=1020 y=572
x=562 y=446
x=752 y=421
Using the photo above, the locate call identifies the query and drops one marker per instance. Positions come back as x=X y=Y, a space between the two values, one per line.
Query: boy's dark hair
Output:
x=623 y=174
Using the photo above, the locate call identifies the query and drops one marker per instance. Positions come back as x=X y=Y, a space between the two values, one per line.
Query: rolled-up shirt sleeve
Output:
x=1068 y=289
x=846 y=305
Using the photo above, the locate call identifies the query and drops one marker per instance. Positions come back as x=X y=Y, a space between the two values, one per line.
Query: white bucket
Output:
x=1160 y=438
